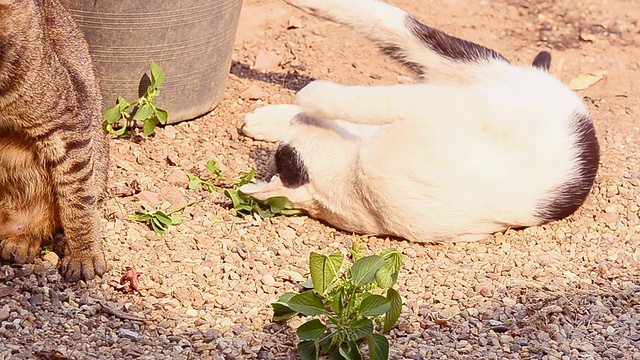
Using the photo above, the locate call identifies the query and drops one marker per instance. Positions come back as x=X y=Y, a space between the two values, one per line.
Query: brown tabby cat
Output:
x=53 y=151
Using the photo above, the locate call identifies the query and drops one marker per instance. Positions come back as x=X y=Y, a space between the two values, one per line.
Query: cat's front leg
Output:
x=74 y=182
x=371 y=105
x=269 y=123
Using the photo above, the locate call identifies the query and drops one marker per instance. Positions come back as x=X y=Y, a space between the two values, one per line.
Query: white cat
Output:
x=479 y=145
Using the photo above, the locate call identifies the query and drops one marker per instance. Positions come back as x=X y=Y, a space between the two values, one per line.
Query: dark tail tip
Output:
x=542 y=60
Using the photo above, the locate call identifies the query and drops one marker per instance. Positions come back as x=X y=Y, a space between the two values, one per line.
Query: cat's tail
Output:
x=428 y=52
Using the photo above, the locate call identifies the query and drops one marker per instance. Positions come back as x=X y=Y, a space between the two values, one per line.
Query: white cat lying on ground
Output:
x=478 y=146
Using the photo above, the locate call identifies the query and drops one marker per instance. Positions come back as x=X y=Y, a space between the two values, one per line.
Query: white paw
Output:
x=269 y=123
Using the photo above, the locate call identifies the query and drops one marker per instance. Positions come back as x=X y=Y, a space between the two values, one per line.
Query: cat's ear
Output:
x=263 y=190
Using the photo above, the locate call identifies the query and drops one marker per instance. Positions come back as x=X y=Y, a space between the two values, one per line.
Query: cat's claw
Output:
x=269 y=123
x=20 y=249
x=85 y=265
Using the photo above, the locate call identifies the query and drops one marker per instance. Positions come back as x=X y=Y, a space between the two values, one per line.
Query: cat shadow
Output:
x=261 y=153
x=289 y=80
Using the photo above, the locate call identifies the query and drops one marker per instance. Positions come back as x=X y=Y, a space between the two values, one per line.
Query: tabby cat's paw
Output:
x=269 y=123
x=84 y=265
x=20 y=249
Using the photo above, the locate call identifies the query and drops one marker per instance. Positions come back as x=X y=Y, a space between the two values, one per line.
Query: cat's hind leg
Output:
x=427 y=52
x=269 y=123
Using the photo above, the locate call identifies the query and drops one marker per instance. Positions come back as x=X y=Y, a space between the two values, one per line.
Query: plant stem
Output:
x=183 y=206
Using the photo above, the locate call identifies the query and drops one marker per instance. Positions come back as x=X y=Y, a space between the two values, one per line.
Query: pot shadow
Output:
x=291 y=79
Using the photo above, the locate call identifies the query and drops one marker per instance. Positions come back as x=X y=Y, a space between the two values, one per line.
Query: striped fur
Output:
x=53 y=151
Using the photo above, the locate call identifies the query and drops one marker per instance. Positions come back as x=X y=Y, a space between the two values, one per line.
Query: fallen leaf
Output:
x=6 y=291
x=266 y=60
x=588 y=37
x=131 y=277
x=585 y=80
x=129 y=280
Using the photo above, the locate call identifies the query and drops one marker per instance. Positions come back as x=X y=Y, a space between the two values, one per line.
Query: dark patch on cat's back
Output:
x=568 y=197
x=290 y=167
x=451 y=47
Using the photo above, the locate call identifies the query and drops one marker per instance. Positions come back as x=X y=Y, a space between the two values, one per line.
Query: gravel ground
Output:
x=566 y=290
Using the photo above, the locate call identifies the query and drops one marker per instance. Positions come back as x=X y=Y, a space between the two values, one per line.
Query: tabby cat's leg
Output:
x=20 y=249
x=269 y=123
x=74 y=182
x=27 y=207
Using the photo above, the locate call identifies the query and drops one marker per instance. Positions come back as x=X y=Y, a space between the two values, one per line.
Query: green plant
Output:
x=45 y=250
x=348 y=300
x=243 y=204
x=158 y=220
x=118 y=117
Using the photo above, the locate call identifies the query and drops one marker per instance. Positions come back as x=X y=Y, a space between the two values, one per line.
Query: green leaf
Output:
x=349 y=350
x=388 y=273
x=144 y=112
x=364 y=270
x=308 y=284
x=151 y=93
x=157 y=227
x=374 y=305
x=392 y=316
x=212 y=166
x=276 y=203
x=362 y=328
x=163 y=218
x=162 y=115
x=157 y=75
x=122 y=103
x=324 y=269
x=281 y=310
x=121 y=132
x=194 y=181
x=141 y=216
x=289 y=212
x=307 y=303
x=354 y=351
x=336 y=305
x=308 y=350
x=343 y=350
x=378 y=347
x=149 y=127
x=176 y=220
x=282 y=313
x=245 y=177
x=112 y=115
x=311 y=330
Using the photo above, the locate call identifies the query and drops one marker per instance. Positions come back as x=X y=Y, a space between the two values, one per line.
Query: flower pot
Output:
x=192 y=40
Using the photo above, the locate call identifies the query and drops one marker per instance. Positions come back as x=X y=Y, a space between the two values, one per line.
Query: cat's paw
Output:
x=84 y=265
x=269 y=123
x=20 y=249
